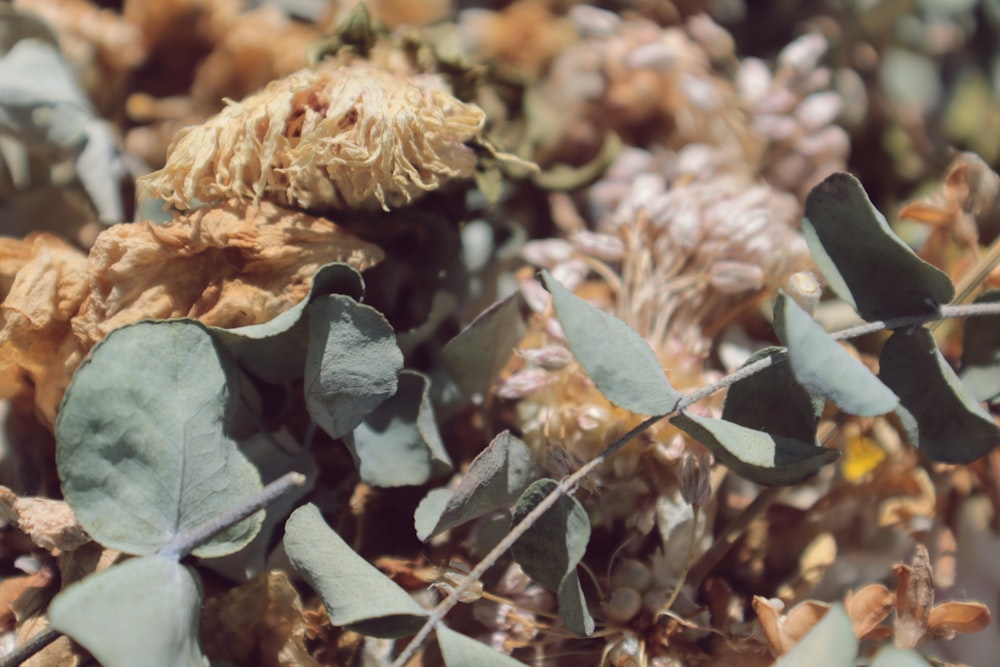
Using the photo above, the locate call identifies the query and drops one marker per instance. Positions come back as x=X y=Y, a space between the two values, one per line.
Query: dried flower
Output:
x=335 y=137
x=228 y=266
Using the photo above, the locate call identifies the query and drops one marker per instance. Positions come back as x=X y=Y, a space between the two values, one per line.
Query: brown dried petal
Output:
x=868 y=608
x=949 y=618
x=340 y=137
x=258 y=623
x=784 y=632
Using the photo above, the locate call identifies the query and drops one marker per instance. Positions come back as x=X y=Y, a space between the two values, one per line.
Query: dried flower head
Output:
x=334 y=137
x=228 y=266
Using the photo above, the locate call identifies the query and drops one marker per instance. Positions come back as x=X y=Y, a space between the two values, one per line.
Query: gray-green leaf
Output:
x=352 y=364
x=830 y=643
x=551 y=549
x=618 y=360
x=755 y=455
x=942 y=419
x=494 y=481
x=890 y=656
x=864 y=261
x=981 y=352
x=477 y=354
x=354 y=592
x=398 y=443
x=773 y=401
x=275 y=351
x=823 y=367
x=141 y=442
x=145 y=611
x=461 y=651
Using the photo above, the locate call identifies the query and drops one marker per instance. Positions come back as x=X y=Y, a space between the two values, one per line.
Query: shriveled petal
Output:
x=949 y=618
x=868 y=608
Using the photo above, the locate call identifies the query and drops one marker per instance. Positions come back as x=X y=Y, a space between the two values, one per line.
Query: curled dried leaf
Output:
x=783 y=631
x=49 y=523
x=950 y=618
x=335 y=137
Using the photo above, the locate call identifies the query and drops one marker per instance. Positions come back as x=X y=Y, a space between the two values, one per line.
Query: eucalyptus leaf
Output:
x=352 y=364
x=825 y=368
x=274 y=454
x=398 y=443
x=551 y=549
x=773 y=401
x=494 y=481
x=145 y=611
x=275 y=351
x=618 y=360
x=981 y=352
x=141 y=440
x=354 y=592
x=477 y=354
x=942 y=419
x=757 y=456
x=863 y=260
x=461 y=651
x=830 y=643
x=890 y=656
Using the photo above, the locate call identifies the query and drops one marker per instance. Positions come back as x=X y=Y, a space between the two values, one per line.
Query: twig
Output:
x=30 y=647
x=181 y=545
x=708 y=560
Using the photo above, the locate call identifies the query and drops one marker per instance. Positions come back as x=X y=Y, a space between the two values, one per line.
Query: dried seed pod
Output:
x=334 y=137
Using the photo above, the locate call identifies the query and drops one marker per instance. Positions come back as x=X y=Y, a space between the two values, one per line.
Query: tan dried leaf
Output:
x=49 y=523
x=783 y=631
x=335 y=137
x=258 y=624
x=868 y=608
x=950 y=618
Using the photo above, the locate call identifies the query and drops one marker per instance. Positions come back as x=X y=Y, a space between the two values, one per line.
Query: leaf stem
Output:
x=183 y=544
x=703 y=566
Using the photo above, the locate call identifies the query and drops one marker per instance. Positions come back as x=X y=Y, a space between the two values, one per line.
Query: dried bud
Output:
x=453 y=576
x=730 y=277
x=550 y=357
x=805 y=290
x=523 y=383
x=693 y=477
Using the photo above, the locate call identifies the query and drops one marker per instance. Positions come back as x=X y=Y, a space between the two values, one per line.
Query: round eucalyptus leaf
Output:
x=458 y=650
x=141 y=442
x=145 y=611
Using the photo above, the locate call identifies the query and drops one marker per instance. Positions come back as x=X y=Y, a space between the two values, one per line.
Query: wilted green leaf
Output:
x=141 y=443
x=755 y=455
x=461 y=651
x=495 y=479
x=398 y=443
x=864 y=261
x=616 y=358
x=354 y=592
x=551 y=549
x=352 y=364
x=942 y=419
x=890 y=656
x=145 y=611
x=476 y=355
x=830 y=643
x=981 y=352
x=823 y=367
x=773 y=401
x=275 y=351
